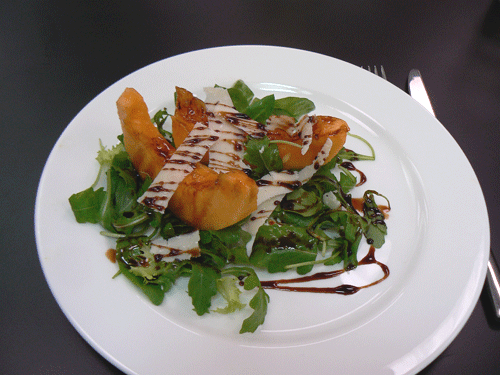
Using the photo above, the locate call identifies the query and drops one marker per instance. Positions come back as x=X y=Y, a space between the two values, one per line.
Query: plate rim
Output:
x=480 y=267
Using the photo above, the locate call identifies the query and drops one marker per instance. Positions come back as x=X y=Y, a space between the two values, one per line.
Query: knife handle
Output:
x=493 y=280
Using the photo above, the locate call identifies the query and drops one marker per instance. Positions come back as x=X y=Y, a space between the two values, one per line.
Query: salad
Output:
x=225 y=188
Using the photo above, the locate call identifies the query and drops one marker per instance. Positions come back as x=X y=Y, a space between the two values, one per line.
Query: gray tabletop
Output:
x=56 y=56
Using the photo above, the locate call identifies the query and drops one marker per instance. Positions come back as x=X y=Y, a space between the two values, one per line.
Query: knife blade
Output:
x=417 y=90
x=419 y=93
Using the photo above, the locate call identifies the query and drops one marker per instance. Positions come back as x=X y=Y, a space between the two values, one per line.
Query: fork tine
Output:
x=375 y=71
x=382 y=71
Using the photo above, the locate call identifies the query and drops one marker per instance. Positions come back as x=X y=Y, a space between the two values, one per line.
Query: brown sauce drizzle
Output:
x=349 y=166
x=344 y=289
x=174 y=252
x=151 y=202
x=357 y=203
x=292 y=185
x=111 y=255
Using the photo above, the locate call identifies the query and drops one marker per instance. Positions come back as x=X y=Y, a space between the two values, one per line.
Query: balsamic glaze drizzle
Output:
x=344 y=289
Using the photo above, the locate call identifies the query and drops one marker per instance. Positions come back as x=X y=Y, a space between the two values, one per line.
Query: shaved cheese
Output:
x=228 y=152
x=218 y=102
x=305 y=126
x=282 y=122
x=178 y=167
x=275 y=183
x=261 y=214
x=244 y=122
x=182 y=247
x=218 y=95
x=307 y=172
x=331 y=200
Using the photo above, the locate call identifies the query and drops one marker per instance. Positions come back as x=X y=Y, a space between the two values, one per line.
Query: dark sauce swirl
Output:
x=345 y=289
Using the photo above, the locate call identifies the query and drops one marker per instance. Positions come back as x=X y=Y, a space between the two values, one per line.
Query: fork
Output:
x=493 y=272
x=375 y=71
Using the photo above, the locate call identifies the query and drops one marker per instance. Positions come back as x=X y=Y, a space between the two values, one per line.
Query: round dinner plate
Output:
x=436 y=253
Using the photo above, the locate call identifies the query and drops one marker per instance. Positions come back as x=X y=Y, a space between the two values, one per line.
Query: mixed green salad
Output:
x=317 y=223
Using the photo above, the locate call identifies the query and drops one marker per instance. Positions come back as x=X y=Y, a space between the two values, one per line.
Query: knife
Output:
x=419 y=93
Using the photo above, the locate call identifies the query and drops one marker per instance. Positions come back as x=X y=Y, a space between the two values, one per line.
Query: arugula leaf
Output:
x=115 y=208
x=159 y=119
x=346 y=231
x=244 y=273
x=303 y=202
x=375 y=228
x=259 y=303
x=226 y=245
x=278 y=246
x=154 y=292
x=241 y=95
x=261 y=109
x=172 y=226
x=86 y=205
x=293 y=107
x=263 y=156
x=202 y=286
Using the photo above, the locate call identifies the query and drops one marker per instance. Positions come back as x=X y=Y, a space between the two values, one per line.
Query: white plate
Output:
x=437 y=247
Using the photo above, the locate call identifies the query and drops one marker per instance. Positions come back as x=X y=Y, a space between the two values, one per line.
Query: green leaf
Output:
x=226 y=245
x=154 y=292
x=202 y=286
x=263 y=156
x=172 y=226
x=375 y=228
x=293 y=107
x=345 y=228
x=244 y=273
x=347 y=181
x=302 y=202
x=261 y=109
x=259 y=303
x=278 y=246
x=105 y=156
x=159 y=120
x=86 y=205
x=227 y=288
x=241 y=95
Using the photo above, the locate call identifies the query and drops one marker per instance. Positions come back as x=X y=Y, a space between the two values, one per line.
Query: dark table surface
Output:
x=56 y=56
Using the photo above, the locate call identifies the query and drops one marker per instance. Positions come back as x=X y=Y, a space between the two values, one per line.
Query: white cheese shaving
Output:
x=181 y=247
x=218 y=102
x=305 y=126
x=178 y=167
x=275 y=183
x=231 y=127
x=261 y=214
x=330 y=200
x=228 y=152
x=282 y=122
x=218 y=95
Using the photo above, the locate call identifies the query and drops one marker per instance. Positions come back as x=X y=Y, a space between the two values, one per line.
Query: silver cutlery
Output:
x=418 y=92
